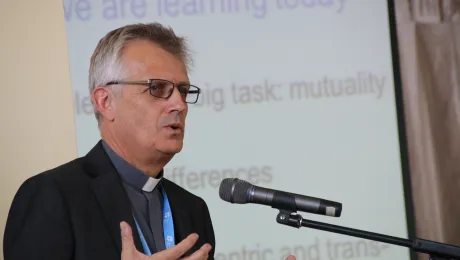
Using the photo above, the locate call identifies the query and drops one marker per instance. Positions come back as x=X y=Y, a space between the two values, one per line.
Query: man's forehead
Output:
x=142 y=71
x=149 y=54
x=145 y=59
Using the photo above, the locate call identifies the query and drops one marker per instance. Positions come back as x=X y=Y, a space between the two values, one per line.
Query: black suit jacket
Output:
x=74 y=212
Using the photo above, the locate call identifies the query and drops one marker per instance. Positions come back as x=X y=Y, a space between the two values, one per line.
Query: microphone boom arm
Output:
x=436 y=250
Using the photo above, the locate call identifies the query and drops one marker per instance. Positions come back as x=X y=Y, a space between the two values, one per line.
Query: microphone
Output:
x=238 y=191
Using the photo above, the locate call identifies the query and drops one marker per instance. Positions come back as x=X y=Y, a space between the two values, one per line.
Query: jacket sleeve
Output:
x=38 y=226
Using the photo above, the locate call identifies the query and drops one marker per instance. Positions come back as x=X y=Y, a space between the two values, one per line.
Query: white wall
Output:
x=36 y=110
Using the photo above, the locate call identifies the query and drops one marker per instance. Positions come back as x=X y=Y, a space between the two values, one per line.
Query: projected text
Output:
x=323 y=88
x=316 y=250
x=85 y=10
x=211 y=178
x=363 y=83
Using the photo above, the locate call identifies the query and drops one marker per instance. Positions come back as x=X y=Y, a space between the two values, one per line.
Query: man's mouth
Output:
x=175 y=126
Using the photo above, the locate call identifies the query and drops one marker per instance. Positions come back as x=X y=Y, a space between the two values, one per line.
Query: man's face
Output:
x=146 y=123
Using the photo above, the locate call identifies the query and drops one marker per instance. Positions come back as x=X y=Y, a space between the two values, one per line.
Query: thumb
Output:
x=127 y=242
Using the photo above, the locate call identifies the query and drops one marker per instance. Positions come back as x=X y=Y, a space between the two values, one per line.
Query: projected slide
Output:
x=298 y=95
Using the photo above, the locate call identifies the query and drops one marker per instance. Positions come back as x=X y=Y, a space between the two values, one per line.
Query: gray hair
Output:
x=105 y=64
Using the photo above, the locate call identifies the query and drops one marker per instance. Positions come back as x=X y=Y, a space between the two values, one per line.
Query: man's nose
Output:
x=176 y=101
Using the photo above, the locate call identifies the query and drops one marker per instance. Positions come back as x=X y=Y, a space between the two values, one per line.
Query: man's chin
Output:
x=171 y=148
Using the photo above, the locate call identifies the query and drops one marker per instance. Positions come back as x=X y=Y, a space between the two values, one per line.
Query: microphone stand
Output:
x=436 y=250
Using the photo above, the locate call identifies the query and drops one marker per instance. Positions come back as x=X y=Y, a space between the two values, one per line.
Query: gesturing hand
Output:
x=129 y=251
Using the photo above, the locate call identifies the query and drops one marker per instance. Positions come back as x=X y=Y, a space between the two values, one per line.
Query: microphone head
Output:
x=234 y=190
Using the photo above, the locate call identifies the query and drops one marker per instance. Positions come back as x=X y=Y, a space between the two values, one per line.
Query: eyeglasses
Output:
x=162 y=88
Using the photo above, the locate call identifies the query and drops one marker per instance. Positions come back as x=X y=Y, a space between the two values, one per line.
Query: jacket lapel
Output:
x=110 y=194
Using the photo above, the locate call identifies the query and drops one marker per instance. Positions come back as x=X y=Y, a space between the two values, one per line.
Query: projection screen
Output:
x=297 y=95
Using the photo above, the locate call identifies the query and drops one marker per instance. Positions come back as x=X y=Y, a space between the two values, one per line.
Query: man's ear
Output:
x=104 y=101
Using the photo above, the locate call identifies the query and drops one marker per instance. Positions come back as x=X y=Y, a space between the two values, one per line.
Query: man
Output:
x=140 y=91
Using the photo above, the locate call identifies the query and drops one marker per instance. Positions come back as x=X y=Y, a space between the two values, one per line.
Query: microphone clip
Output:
x=289 y=218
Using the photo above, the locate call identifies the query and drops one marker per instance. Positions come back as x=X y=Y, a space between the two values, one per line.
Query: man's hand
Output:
x=129 y=251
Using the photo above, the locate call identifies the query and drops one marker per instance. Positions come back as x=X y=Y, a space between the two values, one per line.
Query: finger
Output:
x=180 y=249
x=202 y=253
x=127 y=242
x=291 y=257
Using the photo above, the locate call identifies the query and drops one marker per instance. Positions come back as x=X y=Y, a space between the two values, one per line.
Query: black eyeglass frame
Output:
x=149 y=83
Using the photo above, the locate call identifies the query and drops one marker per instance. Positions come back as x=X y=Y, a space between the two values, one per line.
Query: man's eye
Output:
x=184 y=89
x=155 y=87
x=158 y=87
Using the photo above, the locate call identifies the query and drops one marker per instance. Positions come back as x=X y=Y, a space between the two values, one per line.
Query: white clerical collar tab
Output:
x=151 y=184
